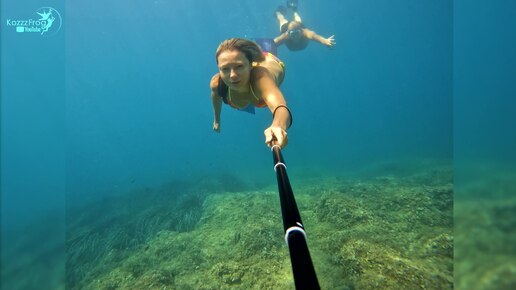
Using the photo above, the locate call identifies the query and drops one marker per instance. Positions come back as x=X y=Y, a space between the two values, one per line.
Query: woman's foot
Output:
x=281 y=10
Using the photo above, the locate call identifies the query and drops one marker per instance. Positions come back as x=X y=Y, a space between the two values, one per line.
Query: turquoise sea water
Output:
x=117 y=104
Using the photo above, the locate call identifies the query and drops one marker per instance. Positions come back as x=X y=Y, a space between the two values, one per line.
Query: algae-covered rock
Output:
x=375 y=266
x=380 y=233
x=230 y=273
x=440 y=245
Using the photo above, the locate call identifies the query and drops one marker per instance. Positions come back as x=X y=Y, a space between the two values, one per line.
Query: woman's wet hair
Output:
x=250 y=49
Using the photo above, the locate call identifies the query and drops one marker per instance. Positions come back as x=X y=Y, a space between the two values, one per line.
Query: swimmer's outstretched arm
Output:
x=216 y=101
x=281 y=38
x=274 y=99
x=330 y=41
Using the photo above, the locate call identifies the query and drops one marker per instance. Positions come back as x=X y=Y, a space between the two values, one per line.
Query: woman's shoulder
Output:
x=260 y=71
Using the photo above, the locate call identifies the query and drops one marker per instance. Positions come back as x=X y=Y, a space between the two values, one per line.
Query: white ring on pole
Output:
x=272 y=148
x=294 y=229
x=280 y=163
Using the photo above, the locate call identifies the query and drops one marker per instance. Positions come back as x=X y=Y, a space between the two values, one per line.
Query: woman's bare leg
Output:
x=281 y=19
x=297 y=17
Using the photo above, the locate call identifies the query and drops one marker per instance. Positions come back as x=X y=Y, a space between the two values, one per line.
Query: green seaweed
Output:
x=381 y=232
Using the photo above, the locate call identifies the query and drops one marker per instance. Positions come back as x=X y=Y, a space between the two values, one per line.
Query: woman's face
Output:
x=234 y=69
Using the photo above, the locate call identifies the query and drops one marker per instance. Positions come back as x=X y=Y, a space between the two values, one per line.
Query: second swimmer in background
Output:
x=293 y=33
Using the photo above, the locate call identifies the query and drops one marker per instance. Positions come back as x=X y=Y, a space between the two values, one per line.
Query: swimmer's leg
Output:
x=297 y=17
x=280 y=16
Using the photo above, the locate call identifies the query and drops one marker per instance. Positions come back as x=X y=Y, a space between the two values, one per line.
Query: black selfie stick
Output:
x=295 y=236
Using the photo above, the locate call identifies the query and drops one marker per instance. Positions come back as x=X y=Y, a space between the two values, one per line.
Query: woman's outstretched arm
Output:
x=216 y=101
x=277 y=104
